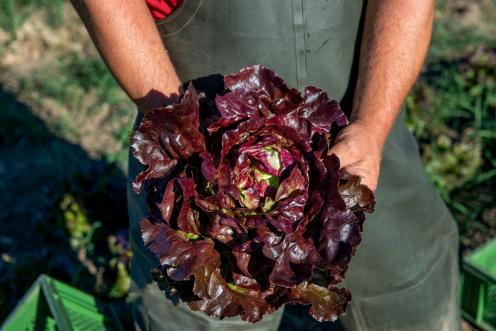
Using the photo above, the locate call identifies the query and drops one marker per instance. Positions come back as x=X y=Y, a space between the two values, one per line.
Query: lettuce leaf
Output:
x=247 y=211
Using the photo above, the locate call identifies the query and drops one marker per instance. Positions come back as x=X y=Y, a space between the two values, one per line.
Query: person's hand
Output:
x=360 y=152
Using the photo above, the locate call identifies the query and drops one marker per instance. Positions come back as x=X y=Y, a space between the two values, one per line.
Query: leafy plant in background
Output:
x=103 y=254
x=452 y=112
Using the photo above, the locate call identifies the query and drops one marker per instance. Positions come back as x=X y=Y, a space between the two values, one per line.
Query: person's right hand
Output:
x=359 y=152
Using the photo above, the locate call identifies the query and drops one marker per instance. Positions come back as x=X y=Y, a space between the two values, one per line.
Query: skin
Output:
x=395 y=41
x=128 y=40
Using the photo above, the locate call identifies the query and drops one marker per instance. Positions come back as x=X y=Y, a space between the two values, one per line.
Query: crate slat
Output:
x=479 y=287
x=52 y=305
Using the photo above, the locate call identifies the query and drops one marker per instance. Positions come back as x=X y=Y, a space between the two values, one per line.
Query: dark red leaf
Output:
x=289 y=211
x=228 y=301
x=246 y=282
x=293 y=249
x=166 y=206
x=187 y=185
x=188 y=219
x=295 y=182
x=166 y=135
x=355 y=194
x=223 y=229
x=260 y=87
x=208 y=169
x=182 y=256
x=325 y=304
x=247 y=211
x=320 y=111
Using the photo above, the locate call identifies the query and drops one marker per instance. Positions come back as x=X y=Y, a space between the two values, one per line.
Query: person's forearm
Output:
x=129 y=42
x=395 y=41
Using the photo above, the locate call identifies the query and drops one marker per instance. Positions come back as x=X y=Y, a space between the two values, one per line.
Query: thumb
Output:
x=341 y=151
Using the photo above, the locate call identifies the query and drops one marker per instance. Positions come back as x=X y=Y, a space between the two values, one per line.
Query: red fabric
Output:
x=160 y=9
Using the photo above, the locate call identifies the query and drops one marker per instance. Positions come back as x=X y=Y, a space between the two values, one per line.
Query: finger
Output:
x=366 y=177
x=369 y=182
x=341 y=152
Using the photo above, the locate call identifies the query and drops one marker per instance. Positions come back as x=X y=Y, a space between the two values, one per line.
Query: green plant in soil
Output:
x=452 y=112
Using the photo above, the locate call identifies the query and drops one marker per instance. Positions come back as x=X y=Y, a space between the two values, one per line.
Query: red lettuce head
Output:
x=247 y=210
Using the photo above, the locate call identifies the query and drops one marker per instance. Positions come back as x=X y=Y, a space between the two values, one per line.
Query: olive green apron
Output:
x=405 y=273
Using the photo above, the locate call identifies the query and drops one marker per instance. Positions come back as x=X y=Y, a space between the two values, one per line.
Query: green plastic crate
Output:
x=52 y=305
x=478 y=284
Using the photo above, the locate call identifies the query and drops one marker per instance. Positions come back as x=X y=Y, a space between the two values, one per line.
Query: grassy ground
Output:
x=452 y=112
x=64 y=128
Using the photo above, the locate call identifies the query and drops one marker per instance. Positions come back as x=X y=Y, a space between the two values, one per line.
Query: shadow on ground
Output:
x=52 y=194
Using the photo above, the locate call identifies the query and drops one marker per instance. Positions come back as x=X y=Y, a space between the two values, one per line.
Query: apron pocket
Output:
x=180 y=17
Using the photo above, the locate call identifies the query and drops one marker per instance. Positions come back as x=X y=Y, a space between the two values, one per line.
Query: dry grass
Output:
x=40 y=54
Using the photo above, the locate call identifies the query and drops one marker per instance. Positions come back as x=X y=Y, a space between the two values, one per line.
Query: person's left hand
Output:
x=359 y=152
